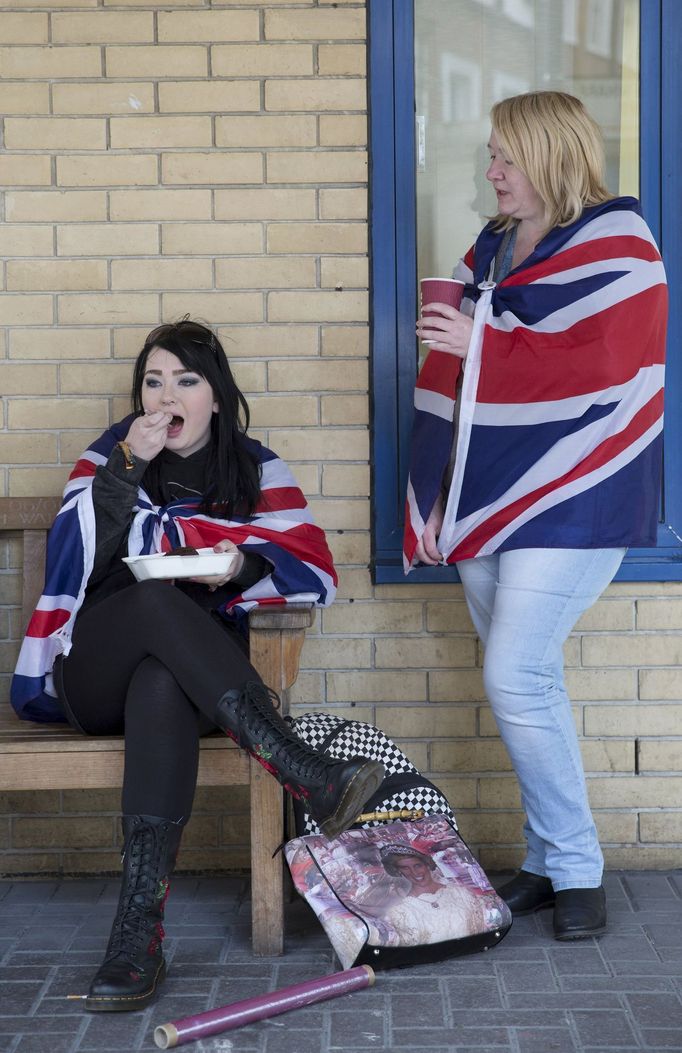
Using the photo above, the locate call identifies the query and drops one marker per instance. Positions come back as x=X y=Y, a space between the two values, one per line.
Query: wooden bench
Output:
x=47 y=756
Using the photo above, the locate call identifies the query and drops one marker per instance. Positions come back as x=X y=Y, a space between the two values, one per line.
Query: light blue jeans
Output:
x=524 y=604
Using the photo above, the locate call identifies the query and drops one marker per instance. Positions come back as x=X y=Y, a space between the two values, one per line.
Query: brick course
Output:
x=163 y=159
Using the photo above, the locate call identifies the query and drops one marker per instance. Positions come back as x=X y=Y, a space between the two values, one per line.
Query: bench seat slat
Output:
x=103 y=769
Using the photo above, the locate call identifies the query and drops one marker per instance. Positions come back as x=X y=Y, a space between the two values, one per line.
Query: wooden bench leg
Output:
x=267 y=834
x=276 y=639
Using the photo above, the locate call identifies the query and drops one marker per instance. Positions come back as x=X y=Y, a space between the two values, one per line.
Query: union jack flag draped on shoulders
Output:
x=281 y=530
x=559 y=437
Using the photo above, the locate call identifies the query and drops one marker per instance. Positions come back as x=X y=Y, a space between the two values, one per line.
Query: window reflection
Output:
x=469 y=54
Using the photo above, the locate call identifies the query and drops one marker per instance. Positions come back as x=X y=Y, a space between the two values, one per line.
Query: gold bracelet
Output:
x=128 y=455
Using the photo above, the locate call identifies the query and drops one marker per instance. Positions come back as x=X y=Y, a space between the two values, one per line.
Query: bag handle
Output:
x=387 y=817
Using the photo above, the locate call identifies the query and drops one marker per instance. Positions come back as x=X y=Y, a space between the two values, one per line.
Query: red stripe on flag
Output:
x=82 y=469
x=305 y=541
x=279 y=498
x=601 y=455
x=410 y=537
x=597 y=352
x=614 y=247
x=44 y=623
x=439 y=373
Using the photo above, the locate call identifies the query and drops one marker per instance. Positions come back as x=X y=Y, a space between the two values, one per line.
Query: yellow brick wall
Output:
x=211 y=158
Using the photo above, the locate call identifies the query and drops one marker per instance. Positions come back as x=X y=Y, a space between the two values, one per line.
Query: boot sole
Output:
x=579 y=934
x=364 y=783
x=125 y=1003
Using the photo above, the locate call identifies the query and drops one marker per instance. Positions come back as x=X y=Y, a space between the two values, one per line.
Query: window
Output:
x=634 y=92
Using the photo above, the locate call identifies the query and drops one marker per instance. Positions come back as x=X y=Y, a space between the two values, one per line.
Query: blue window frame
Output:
x=393 y=271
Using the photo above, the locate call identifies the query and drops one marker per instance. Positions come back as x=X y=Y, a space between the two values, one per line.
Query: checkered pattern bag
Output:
x=404 y=787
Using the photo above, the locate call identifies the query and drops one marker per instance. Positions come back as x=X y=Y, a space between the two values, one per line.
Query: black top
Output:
x=114 y=494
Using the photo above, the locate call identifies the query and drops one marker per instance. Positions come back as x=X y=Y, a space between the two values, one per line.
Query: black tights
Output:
x=150 y=663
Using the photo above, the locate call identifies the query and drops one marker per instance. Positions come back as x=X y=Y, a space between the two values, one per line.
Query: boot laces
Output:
x=134 y=923
x=256 y=711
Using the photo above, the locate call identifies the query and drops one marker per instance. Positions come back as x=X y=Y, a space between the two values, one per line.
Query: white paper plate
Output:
x=160 y=566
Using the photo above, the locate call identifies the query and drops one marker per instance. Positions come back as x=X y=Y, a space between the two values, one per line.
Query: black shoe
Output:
x=526 y=893
x=333 y=791
x=579 y=912
x=133 y=966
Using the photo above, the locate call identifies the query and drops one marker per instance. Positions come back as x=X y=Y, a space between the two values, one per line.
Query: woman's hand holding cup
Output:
x=441 y=325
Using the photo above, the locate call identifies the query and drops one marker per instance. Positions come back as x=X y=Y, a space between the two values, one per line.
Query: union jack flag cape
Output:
x=559 y=436
x=281 y=530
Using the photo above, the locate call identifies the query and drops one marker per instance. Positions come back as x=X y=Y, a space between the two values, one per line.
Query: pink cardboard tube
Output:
x=250 y=1010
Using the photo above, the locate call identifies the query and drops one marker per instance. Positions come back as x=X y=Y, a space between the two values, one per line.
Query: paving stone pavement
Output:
x=620 y=993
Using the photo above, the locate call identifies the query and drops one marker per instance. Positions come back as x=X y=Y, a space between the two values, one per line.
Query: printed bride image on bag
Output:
x=413 y=917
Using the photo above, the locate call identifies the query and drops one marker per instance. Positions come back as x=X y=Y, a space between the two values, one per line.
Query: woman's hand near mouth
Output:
x=147 y=434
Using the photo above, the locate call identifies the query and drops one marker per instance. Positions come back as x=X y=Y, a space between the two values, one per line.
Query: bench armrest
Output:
x=282 y=616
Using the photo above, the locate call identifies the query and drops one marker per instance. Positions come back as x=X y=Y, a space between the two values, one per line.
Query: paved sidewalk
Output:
x=618 y=994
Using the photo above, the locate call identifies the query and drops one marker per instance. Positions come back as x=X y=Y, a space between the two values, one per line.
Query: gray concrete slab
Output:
x=620 y=993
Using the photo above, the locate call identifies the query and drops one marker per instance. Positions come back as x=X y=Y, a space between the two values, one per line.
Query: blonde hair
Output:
x=552 y=139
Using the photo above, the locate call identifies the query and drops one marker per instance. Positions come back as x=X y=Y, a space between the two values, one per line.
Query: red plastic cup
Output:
x=440 y=290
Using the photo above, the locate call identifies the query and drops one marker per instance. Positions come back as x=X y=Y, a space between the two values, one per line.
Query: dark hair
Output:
x=233 y=471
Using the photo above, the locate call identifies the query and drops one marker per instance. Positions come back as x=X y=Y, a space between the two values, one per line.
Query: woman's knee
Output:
x=501 y=681
x=155 y=697
x=152 y=679
x=515 y=686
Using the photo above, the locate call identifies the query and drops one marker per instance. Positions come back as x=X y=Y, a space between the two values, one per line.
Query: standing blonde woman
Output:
x=537 y=456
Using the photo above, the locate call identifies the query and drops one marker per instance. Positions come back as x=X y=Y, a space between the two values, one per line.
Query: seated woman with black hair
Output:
x=165 y=662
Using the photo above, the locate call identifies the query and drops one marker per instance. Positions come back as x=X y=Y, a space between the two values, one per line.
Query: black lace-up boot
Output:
x=133 y=965
x=333 y=791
